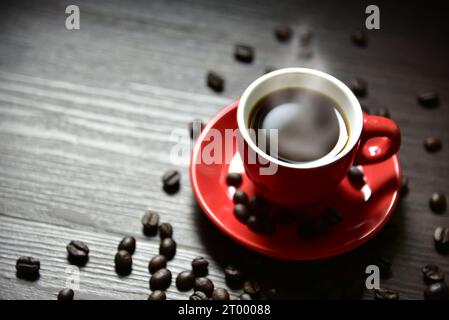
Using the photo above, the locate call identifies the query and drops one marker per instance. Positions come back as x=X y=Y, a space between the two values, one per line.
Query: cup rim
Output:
x=356 y=131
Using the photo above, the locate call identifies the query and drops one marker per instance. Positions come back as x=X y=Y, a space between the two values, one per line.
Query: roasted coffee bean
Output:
x=203 y=284
x=359 y=87
x=259 y=206
x=244 y=53
x=165 y=230
x=66 y=295
x=150 y=222
x=157 y=295
x=438 y=202
x=437 y=291
x=240 y=197
x=386 y=294
x=241 y=212
x=429 y=99
x=305 y=37
x=234 y=277
x=78 y=252
x=27 y=268
x=198 y=295
x=215 y=81
x=404 y=186
x=167 y=248
x=185 y=280
x=441 y=239
x=255 y=223
x=123 y=262
x=359 y=38
x=171 y=181
x=433 y=144
x=283 y=33
x=245 y=296
x=156 y=263
x=308 y=228
x=332 y=216
x=220 y=294
x=251 y=287
x=356 y=176
x=234 y=179
x=195 y=128
x=285 y=217
x=382 y=112
x=128 y=244
x=160 y=280
x=200 y=267
x=432 y=273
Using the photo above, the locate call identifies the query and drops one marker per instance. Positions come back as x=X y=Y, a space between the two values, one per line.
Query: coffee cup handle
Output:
x=387 y=144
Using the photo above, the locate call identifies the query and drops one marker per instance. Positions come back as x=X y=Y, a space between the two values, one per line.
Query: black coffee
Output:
x=307 y=121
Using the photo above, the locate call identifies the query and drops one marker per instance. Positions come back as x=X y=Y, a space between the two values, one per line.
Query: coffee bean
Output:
x=200 y=267
x=156 y=263
x=285 y=217
x=171 y=181
x=220 y=294
x=234 y=277
x=332 y=216
x=283 y=33
x=404 y=186
x=432 y=273
x=386 y=294
x=78 y=253
x=198 y=295
x=438 y=202
x=195 y=128
x=27 y=268
x=165 y=230
x=356 y=177
x=268 y=226
x=185 y=280
x=234 y=179
x=382 y=112
x=437 y=291
x=157 y=295
x=259 y=206
x=308 y=228
x=167 y=248
x=66 y=295
x=245 y=296
x=433 y=144
x=203 y=284
x=441 y=239
x=215 y=81
x=241 y=212
x=429 y=99
x=150 y=222
x=128 y=244
x=160 y=280
x=359 y=87
x=359 y=38
x=123 y=262
x=255 y=223
x=305 y=37
x=252 y=288
x=244 y=53
x=240 y=197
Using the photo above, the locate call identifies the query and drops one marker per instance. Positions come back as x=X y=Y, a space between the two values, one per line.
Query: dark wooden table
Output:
x=86 y=118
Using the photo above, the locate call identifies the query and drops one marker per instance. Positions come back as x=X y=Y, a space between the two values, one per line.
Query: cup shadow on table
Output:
x=341 y=277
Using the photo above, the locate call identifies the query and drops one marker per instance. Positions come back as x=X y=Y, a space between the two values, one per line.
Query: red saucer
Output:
x=361 y=219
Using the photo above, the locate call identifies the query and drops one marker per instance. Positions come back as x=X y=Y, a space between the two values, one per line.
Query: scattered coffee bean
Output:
x=308 y=228
x=185 y=280
x=437 y=291
x=28 y=268
x=386 y=294
x=234 y=277
x=156 y=263
x=198 y=295
x=240 y=197
x=404 y=186
x=252 y=288
x=438 y=202
x=359 y=87
x=171 y=181
x=150 y=222
x=432 y=273
x=157 y=295
x=429 y=99
x=220 y=294
x=245 y=296
x=359 y=38
x=332 y=216
x=234 y=179
x=356 y=176
x=200 y=267
x=167 y=248
x=382 y=112
x=165 y=230
x=123 y=262
x=215 y=81
x=203 y=284
x=78 y=252
x=195 y=128
x=433 y=144
x=160 y=280
x=283 y=33
x=66 y=295
x=244 y=53
x=128 y=244
x=259 y=206
x=441 y=239
x=241 y=212
x=255 y=223
x=305 y=37
x=285 y=217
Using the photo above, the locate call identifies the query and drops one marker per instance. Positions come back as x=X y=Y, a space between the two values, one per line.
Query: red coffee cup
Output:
x=370 y=139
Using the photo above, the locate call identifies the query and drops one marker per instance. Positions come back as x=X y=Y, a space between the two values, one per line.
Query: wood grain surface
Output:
x=87 y=116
